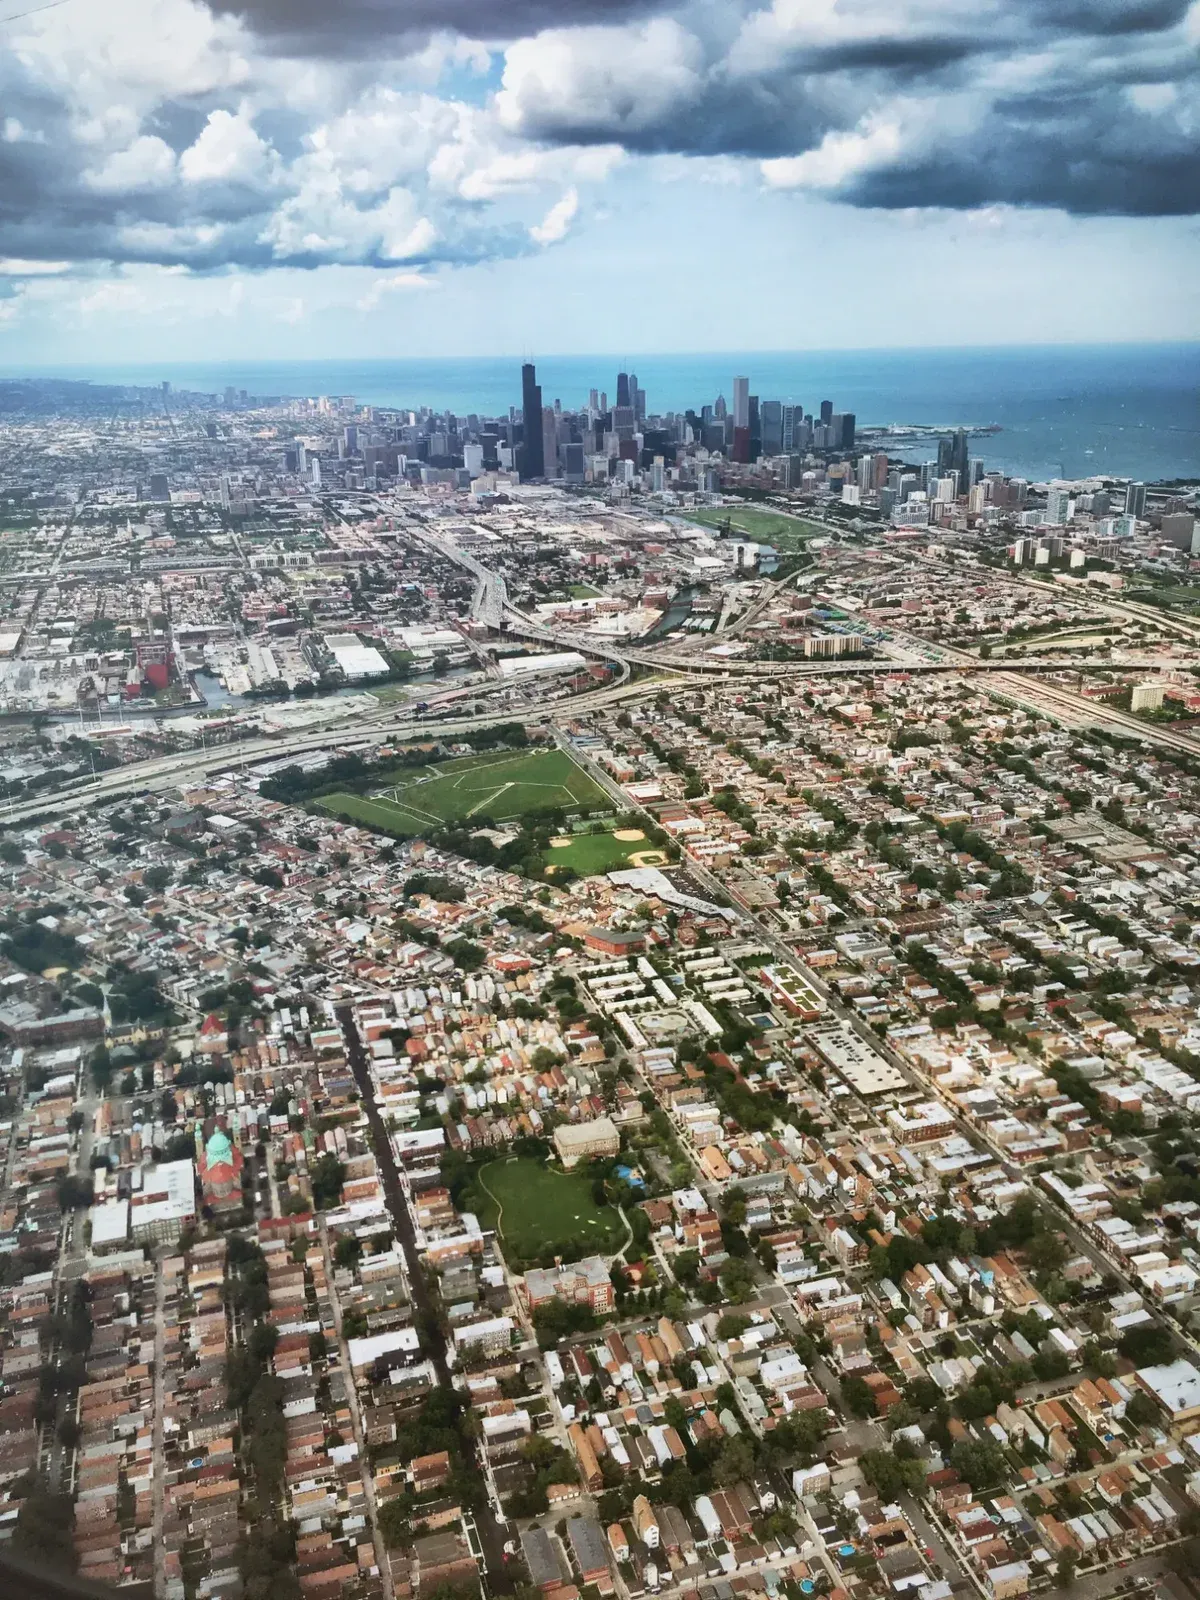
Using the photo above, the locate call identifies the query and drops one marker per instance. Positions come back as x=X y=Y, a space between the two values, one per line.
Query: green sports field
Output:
x=501 y=785
x=541 y=1212
x=590 y=853
x=762 y=524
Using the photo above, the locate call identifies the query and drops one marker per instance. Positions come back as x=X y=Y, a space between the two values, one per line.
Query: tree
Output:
x=1141 y=1410
x=674 y=1414
x=979 y=1461
x=891 y=1475
x=857 y=1397
x=686 y=1266
x=1046 y=1251
x=737 y=1281
x=394 y=1518
x=347 y=1250
x=555 y=1319
x=1064 y=1568
x=1147 y=1344
x=328 y=1175
x=1051 y=1363
x=735 y=1462
x=264 y=1336
x=924 y=1394
x=101 y=1067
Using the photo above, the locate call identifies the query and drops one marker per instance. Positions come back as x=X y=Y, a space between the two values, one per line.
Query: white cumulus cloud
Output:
x=228 y=150
x=557 y=221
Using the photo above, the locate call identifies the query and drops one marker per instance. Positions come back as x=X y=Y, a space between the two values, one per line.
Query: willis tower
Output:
x=533 y=464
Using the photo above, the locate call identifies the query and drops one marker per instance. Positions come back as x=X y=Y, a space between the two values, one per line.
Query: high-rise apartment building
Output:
x=1059 y=507
x=791 y=417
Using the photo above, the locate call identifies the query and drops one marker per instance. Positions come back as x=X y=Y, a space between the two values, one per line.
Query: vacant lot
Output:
x=762 y=524
x=501 y=786
x=540 y=1212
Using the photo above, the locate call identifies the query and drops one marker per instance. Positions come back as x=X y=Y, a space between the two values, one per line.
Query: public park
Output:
x=498 y=786
x=762 y=524
x=540 y=1212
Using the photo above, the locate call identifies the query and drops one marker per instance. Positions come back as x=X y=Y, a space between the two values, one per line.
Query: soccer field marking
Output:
x=395 y=797
x=465 y=786
x=487 y=799
x=421 y=818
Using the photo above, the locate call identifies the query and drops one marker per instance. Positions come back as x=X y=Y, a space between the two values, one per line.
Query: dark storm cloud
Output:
x=1076 y=139
x=364 y=28
x=1092 y=106
x=1101 y=17
x=1052 y=152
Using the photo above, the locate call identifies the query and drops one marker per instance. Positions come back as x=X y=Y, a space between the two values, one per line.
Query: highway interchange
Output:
x=641 y=672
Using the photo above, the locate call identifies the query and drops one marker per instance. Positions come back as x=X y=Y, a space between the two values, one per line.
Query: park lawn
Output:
x=590 y=853
x=584 y=591
x=381 y=815
x=501 y=784
x=776 y=528
x=1173 y=596
x=542 y=1212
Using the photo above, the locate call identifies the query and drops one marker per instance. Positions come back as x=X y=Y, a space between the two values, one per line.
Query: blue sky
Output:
x=203 y=181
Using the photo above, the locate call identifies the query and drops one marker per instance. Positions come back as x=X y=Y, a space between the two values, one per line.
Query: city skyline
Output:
x=192 y=180
x=599 y=983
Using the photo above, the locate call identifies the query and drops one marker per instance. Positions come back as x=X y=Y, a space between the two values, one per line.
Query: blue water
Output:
x=1065 y=411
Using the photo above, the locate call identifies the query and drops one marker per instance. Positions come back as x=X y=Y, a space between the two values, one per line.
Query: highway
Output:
x=911 y=656
x=193 y=766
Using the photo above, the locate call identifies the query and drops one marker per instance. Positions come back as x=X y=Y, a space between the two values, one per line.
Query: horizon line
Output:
x=50 y=367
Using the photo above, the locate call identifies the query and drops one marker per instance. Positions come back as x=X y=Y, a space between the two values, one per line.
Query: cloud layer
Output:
x=293 y=133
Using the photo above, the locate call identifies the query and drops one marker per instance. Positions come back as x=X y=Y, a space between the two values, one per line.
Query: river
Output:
x=673 y=617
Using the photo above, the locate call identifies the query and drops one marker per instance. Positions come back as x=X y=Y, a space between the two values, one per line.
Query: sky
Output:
x=259 y=179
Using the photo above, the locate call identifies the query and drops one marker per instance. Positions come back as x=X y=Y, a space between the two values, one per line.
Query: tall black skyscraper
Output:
x=962 y=461
x=623 y=398
x=827 y=411
x=533 y=461
x=953 y=457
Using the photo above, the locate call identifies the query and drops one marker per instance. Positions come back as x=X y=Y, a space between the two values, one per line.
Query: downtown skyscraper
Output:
x=533 y=458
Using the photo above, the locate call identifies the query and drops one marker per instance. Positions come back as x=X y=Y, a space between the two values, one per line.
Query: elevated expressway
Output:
x=1020 y=685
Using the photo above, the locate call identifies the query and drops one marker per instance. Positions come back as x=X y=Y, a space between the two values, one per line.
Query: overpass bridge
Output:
x=492 y=607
